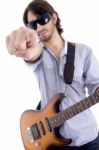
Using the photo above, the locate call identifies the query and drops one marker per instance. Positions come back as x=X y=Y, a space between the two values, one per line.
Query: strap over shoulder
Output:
x=69 y=65
x=68 y=68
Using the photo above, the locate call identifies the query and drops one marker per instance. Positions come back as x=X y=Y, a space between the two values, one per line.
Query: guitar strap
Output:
x=69 y=66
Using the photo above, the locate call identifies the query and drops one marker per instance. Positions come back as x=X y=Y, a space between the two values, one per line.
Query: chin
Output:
x=46 y=38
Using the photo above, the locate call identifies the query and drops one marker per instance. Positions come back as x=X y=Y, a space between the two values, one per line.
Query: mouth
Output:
x=42 y=33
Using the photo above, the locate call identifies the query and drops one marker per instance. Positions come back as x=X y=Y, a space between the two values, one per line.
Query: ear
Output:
x=54 y=18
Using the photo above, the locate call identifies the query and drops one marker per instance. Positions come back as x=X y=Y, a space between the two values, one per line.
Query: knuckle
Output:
x=22 y=30
x=13 y=33
x=18 y=45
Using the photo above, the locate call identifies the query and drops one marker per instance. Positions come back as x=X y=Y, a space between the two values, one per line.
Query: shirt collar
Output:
x=64 y=51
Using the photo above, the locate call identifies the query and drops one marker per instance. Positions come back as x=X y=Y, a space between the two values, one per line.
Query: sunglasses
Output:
x=42 y=20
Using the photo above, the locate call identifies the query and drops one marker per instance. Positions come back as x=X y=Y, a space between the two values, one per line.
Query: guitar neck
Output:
x=73 y=110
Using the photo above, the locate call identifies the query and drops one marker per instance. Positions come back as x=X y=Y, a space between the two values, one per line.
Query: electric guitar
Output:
x=39 y=129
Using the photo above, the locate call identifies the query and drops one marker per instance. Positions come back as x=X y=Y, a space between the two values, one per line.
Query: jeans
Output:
x=93 y=145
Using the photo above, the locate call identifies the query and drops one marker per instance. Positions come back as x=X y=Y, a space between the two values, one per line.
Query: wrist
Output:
x=37 y=54
x=32 y=60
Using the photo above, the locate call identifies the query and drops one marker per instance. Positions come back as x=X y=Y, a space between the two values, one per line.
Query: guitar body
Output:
x=39 y=129
x=37 y=132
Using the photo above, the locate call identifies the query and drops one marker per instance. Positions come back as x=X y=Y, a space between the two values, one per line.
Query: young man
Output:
x=42 y=46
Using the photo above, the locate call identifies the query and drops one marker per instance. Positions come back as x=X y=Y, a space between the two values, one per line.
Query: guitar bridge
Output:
x=30 y=135
x=33 y=133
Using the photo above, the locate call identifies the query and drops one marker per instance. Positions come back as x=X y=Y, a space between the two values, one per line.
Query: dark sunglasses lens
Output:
x=32 y=25
x=44 y=19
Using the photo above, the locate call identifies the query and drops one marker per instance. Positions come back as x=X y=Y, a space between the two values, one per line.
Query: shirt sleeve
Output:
x=91 y=71
x=34 y=65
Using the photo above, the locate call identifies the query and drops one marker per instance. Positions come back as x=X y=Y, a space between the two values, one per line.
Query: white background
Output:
x=18 y=87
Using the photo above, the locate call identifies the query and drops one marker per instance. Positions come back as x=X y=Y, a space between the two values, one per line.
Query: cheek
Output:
x=52 y=25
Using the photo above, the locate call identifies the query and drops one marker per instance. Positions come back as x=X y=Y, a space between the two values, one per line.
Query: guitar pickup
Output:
x=35 y=131
x=42 y=128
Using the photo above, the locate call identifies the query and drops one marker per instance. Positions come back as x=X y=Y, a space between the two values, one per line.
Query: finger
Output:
x=7 y=44
x=12 y=47
x=31 y=38
x=7 y=41
x=19 y=53
x=20 y=42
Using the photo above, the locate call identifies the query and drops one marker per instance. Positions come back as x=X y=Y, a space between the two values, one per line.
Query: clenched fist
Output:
x=24 y=43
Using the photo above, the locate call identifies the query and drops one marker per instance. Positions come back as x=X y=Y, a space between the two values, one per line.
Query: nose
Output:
x=39 y=27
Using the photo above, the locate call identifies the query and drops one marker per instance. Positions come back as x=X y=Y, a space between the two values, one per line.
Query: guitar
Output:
x=40 y=129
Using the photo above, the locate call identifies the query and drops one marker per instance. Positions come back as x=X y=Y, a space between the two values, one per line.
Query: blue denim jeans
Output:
x=93 y=145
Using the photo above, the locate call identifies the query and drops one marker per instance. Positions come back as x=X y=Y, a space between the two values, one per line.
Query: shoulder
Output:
x=82 y=50
x=82 y=47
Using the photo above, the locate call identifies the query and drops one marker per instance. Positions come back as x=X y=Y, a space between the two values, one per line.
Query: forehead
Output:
x=31 y=16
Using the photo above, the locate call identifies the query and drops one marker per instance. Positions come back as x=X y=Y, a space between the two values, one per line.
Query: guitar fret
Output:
x=73 y=110
x=70 y=112
x=94 y=98
x=59 y=119
x=52 y=123
x=88 y=101
x=33 y=132
x=80 y=107
x=83 y=104
x=62 y=117
x=57 y=123
x=77 y=107
x=67 y=113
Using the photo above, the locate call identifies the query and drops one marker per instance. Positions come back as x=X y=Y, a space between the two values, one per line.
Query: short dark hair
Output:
x=39 y=7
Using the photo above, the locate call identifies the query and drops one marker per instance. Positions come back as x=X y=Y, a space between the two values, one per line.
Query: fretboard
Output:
x=73 y=110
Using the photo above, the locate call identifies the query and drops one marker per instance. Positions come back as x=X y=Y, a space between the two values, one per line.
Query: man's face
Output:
x=44 y=25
